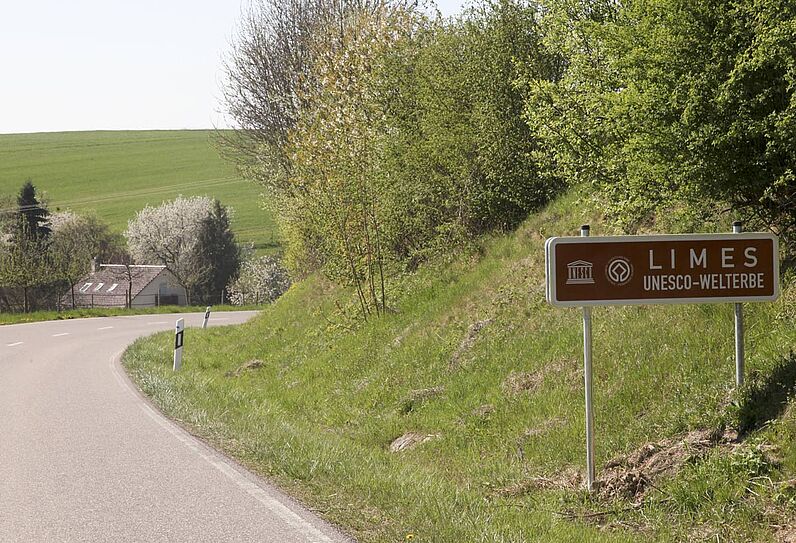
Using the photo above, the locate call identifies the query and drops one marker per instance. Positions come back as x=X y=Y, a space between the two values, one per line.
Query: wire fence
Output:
x=54 y=299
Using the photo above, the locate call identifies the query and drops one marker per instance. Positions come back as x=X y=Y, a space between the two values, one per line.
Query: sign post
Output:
x=178 y=341
x=688 y=268
x=739 y=351
x=587 y=380
x=207 y=318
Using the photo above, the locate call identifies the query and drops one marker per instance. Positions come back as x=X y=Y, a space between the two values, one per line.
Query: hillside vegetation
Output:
x=483 y=381
x=116 y=174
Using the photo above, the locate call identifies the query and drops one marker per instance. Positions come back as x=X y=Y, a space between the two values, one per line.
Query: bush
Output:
x=261 y=280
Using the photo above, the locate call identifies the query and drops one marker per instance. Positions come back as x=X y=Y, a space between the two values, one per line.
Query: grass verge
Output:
x=38 y=316
x=478 y=382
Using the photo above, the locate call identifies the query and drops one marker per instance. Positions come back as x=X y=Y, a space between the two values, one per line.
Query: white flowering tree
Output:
x=168 y=235
x=261 y=279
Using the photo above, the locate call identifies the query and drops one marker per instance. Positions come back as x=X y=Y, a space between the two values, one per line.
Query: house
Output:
x=111 y=285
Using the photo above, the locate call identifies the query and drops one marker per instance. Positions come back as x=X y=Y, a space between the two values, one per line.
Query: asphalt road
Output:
x=83 y=457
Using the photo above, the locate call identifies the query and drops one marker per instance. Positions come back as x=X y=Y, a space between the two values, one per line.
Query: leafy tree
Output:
x=472 y=132
x=76 y=240
x=26 y=265
x=168 y=235
x=399 y=135
x=674 y=105
x=270 y=76
x=336 y=195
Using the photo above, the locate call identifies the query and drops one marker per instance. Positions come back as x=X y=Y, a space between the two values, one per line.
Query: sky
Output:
x=116 y=64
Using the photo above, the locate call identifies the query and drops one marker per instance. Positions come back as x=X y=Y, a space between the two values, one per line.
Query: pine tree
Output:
x=33 y=217
x=216 y=252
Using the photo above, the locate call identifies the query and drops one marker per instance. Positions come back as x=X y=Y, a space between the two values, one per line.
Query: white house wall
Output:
x=148 y=296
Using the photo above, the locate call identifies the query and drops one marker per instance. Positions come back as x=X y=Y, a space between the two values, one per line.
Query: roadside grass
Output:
x=38 y=316
x=117 y=173
x=474 y=361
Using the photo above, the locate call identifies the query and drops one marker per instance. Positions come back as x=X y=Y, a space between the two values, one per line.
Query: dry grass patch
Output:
x=251 y=365
x=468 y=342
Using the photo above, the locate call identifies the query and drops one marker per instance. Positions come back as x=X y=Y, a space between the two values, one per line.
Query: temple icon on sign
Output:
x=579 y=273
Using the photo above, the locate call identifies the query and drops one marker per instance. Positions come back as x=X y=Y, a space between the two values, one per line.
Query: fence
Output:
x=11 y=301
x=156 y=300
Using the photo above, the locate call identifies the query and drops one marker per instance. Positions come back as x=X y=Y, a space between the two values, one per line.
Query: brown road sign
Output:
x=691 y=268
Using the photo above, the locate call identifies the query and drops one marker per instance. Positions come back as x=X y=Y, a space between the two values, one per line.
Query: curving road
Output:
x=83 y=457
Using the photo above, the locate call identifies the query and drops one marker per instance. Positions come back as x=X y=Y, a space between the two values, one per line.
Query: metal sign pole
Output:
x=179 y=332
x=584 y=232
x=739 y=346
x=207 y=318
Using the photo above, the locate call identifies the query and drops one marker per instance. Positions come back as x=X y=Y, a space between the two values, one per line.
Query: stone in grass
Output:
x=410 y=440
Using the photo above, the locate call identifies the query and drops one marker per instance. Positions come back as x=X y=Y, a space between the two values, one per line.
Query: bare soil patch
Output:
x=519 y=382
x=630 y=476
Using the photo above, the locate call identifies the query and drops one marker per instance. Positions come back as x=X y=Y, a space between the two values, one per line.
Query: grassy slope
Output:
x=318 y=416
x=118 y=173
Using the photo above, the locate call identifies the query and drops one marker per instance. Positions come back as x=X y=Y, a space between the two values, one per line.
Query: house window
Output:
x=85 y=287
x=99 y=286
x=113 y=287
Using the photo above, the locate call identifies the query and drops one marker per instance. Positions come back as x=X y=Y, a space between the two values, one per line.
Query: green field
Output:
x=116 y=174
x=488 y=378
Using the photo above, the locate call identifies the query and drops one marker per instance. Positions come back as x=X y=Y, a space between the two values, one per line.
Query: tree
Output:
x=217 y=252
x=674 y=106
x=32 y=215
x=172 y=235
x=397 y=135
x=76 y=240
x=25 y=265
x=261 y=280
x=26 y=260
x=269 y=75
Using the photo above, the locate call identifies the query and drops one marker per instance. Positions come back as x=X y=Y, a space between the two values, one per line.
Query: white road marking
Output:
x=105 y=328
x=14 y=344
x=59 y=335
x=289 y=516
x=158 y=322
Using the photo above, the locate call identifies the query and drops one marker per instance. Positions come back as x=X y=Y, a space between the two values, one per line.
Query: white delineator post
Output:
x=178 y=341
x=207 y=318
x=737 y=227
x=584 y=232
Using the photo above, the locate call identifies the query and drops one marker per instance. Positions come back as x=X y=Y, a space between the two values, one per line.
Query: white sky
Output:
x=116 y=64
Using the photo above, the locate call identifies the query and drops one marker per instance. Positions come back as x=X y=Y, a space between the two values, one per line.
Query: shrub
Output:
x=261 y=280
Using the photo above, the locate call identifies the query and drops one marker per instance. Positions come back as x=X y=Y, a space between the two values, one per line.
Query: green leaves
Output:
x=672 y=104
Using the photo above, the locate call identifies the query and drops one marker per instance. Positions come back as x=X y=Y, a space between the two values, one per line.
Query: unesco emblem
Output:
x=619 y=271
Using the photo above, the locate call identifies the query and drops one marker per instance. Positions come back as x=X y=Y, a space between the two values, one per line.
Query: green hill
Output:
x=116 y=174
x=484 y=378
